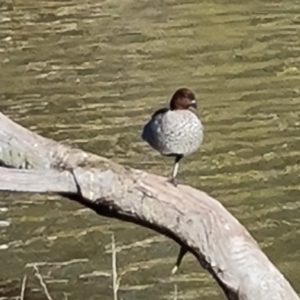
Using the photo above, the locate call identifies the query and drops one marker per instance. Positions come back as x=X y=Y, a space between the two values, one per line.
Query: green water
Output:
x=89 y=73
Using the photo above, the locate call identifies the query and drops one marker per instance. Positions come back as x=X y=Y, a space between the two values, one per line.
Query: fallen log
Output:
x=193 y=219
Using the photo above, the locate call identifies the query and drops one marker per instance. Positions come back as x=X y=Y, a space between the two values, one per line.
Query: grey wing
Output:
x=152 y=131
x=149 y=134
x=146 y=133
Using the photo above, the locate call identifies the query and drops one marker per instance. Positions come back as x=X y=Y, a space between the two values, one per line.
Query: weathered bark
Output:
x=31 y=163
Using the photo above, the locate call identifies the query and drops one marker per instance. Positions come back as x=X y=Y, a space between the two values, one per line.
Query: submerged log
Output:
x=193 y=219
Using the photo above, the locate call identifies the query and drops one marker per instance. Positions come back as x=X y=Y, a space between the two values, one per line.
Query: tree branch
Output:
x=36 y=181
x=186 y=215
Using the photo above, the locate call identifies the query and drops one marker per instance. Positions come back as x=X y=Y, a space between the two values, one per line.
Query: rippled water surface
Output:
x=89 y=73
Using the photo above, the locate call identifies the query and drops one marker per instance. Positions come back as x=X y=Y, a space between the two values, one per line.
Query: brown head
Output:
x=183 y=99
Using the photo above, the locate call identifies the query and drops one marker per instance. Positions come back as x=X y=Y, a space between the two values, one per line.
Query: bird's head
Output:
x=183 y=98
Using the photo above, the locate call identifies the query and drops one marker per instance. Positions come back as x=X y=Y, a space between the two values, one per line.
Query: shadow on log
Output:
x=31 y=163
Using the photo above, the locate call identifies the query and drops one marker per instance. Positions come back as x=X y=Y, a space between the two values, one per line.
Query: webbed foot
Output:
x=173 y=181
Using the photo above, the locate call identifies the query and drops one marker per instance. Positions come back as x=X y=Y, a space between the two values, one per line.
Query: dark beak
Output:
x=193 y=103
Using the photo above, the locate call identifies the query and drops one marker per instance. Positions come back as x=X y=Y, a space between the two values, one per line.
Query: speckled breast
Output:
x=174 y=132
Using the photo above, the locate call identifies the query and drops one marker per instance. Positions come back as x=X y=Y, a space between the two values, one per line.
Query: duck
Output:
x=175 y=131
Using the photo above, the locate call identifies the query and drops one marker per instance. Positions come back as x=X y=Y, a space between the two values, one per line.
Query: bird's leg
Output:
x=183 y=249
x=181 y=254
x=175 y=170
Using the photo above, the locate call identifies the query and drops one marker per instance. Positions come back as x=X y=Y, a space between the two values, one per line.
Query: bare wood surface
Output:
x=189 y=216
x=36 y=181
